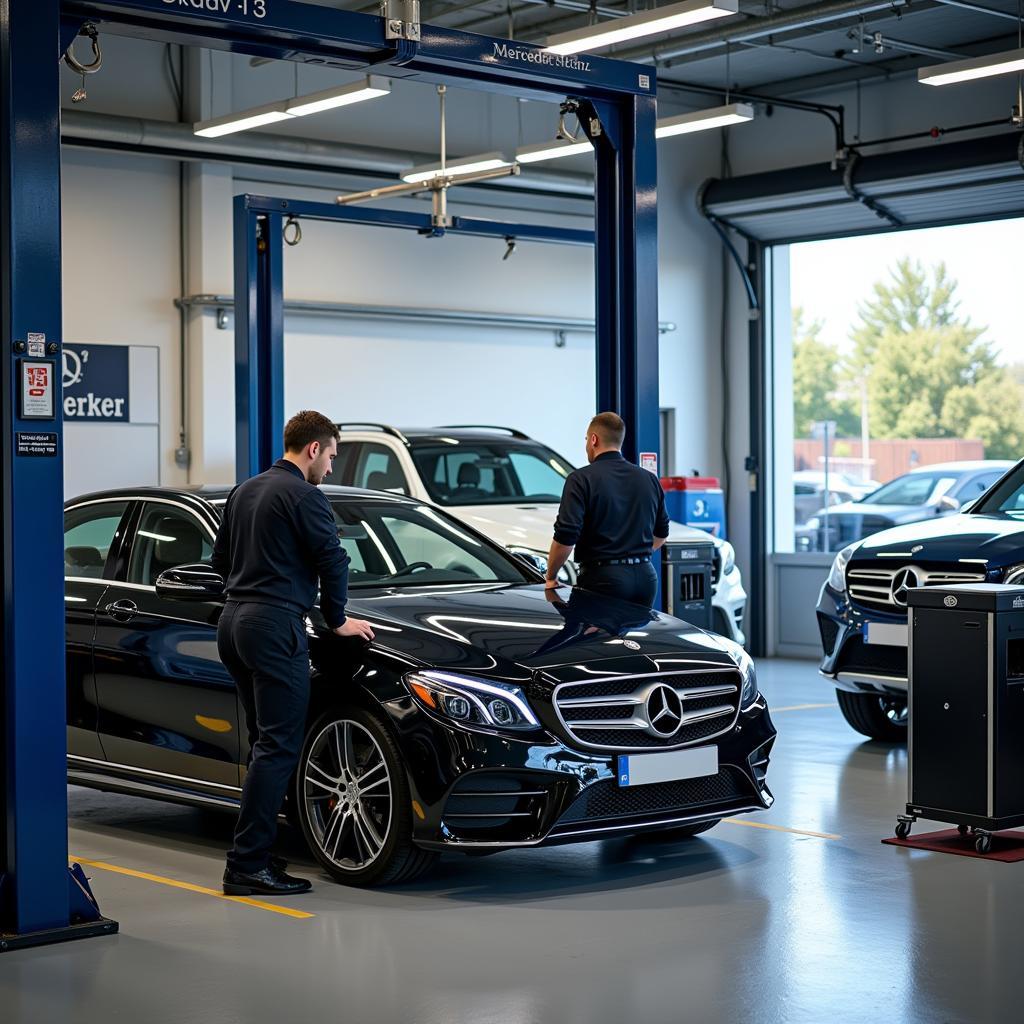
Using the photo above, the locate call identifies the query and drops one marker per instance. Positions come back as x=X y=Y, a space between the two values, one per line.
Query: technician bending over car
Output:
x=278 y=535
x=613 y=513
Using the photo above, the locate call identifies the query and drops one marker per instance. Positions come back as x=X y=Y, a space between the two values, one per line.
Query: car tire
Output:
x=360 y=836
x=876 y=716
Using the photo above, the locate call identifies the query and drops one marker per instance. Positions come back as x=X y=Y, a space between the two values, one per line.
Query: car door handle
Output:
x=122 y=610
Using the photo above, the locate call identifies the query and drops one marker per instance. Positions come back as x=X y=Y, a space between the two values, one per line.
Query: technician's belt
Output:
x=600 y=564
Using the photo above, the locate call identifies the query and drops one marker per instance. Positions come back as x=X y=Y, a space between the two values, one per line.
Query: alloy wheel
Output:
x=348 y=794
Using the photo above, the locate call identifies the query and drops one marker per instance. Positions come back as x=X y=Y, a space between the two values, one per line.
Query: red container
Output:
x=690 y=483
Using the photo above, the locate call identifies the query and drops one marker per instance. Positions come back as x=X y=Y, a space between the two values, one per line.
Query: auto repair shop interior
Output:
x=782 y=241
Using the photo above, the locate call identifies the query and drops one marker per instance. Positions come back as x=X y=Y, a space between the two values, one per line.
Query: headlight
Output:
x=1014 y=574
x=837 y=574
x=814 y=523
x=472 y=702
x=728 y=553
x=748 y=693
x=540 y=560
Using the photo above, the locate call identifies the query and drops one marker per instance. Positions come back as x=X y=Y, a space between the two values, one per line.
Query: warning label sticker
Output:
x=39 y=445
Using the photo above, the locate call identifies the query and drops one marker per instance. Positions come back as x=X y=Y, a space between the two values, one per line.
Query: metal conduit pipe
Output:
x=757 y=28
x=167 y=138
x=224 y=306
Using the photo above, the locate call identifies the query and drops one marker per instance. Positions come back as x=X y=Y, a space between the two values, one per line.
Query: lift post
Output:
x=39 y=900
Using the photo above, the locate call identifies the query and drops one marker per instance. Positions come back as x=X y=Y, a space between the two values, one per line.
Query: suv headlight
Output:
x=1014 y=574
x=837 y=574
x=744 y=662
x=728 y=553
x=540 y=560
x=472 y=702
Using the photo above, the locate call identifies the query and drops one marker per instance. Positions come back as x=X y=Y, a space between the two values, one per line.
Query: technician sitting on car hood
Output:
x=613 y=513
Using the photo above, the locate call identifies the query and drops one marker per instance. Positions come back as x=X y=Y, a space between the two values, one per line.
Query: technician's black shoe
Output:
x=279 y=864
x=267 y=882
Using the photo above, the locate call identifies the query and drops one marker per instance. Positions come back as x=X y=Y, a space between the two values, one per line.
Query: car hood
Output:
x=997 y=538
x=512 y=631
x=530 y=526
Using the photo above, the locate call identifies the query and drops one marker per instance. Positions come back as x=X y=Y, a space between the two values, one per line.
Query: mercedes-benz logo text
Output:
x=902 y=583
x=664 y=711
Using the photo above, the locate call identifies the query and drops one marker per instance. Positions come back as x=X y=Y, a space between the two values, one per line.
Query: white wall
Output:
x=120 y=277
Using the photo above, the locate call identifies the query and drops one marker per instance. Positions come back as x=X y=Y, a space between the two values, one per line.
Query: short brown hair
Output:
x=306 y=427
x=609 y=428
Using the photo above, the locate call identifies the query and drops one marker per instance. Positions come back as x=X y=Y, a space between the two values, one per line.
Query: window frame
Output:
x=117 y=542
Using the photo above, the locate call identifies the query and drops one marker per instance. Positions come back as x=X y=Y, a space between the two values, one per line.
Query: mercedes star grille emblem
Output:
x=664 y=711
x=902 y=583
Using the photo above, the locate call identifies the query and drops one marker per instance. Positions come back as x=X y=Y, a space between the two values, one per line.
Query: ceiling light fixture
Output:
x=284 y=110
x=369 y=89
x=551 y=150
x=636 y=26
x=977 y=67
x=702 y=120
x=455 y=168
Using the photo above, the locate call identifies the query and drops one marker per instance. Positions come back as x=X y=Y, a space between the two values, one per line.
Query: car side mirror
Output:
x=196 y=582
x=948 y=504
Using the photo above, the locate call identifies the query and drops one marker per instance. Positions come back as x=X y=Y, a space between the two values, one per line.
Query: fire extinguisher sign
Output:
x=37 y=389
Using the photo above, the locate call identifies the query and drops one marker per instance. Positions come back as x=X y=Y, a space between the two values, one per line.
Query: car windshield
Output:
x=912 y=489
x=458 y=472
x=1007 y=496
x=402 y=545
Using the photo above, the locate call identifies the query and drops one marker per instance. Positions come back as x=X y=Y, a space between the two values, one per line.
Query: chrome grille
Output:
x=874 y=587
x=616 y=713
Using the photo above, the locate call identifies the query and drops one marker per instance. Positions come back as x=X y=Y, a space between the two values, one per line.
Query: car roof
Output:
x=218 y=492
x=963 y=467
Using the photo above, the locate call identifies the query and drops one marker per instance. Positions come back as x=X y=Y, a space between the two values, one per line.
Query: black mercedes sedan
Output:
x=487 y=713
x=862 y=608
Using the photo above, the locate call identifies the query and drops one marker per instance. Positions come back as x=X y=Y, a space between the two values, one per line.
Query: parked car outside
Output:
x=862 y=608
x=506 y=485
x=809 y=491
x=937 y=490
x=487 y=714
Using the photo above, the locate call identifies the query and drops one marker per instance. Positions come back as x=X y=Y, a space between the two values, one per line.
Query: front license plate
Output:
x=886 y=634
x=643 y=769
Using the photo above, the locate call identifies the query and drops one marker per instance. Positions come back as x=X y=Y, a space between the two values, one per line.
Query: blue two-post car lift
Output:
x=41 y=899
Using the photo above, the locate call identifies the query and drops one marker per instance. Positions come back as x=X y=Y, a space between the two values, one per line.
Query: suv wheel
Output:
x=877 y=716
x=353 y=801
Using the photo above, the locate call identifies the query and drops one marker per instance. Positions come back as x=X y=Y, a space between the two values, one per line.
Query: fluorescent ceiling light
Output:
x=458 y=166
x=976 y=67
x=701 y=120
x=244 y=119
x=552 y=150
x=636 y=26
x=368 y=89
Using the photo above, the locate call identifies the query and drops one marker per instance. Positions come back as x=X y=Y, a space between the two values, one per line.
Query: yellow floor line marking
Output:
x=781 y=828
x=801 y=707
x=188 y=886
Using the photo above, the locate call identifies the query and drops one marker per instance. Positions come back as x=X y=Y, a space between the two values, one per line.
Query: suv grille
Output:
x=616 y=714
x=873 y=588
x=608 y=800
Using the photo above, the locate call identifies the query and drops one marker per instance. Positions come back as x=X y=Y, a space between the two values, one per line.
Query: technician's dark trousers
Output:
x=635 y=583
x=265 y=650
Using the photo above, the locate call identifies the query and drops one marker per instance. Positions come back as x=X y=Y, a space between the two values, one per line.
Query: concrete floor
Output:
x=742 y=924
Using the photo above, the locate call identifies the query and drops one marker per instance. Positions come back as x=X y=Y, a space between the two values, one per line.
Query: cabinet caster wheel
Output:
x=983 y=844
x=902 y=829
x=963 y=829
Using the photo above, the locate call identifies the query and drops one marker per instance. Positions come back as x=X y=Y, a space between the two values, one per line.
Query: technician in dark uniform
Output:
x=278 y=536
x=613 y=514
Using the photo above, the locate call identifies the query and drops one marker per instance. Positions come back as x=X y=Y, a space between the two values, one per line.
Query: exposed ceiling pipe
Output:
x=167 y=138
x=805 y=17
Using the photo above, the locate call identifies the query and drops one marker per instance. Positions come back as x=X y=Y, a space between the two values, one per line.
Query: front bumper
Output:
x=849 y=662
x=477 y=791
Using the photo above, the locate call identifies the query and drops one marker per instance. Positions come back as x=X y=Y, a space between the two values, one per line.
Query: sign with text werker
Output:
x=96 y=383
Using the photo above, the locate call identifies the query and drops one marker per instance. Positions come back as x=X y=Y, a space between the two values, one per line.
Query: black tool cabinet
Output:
x=966 y=704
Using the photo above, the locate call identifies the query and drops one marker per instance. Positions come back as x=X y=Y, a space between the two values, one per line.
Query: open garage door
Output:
x=981 y=179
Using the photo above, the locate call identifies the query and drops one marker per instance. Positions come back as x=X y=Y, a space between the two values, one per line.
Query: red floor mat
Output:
x=1006 y=846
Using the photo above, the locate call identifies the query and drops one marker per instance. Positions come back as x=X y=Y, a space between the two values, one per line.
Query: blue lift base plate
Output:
x=85 y=930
